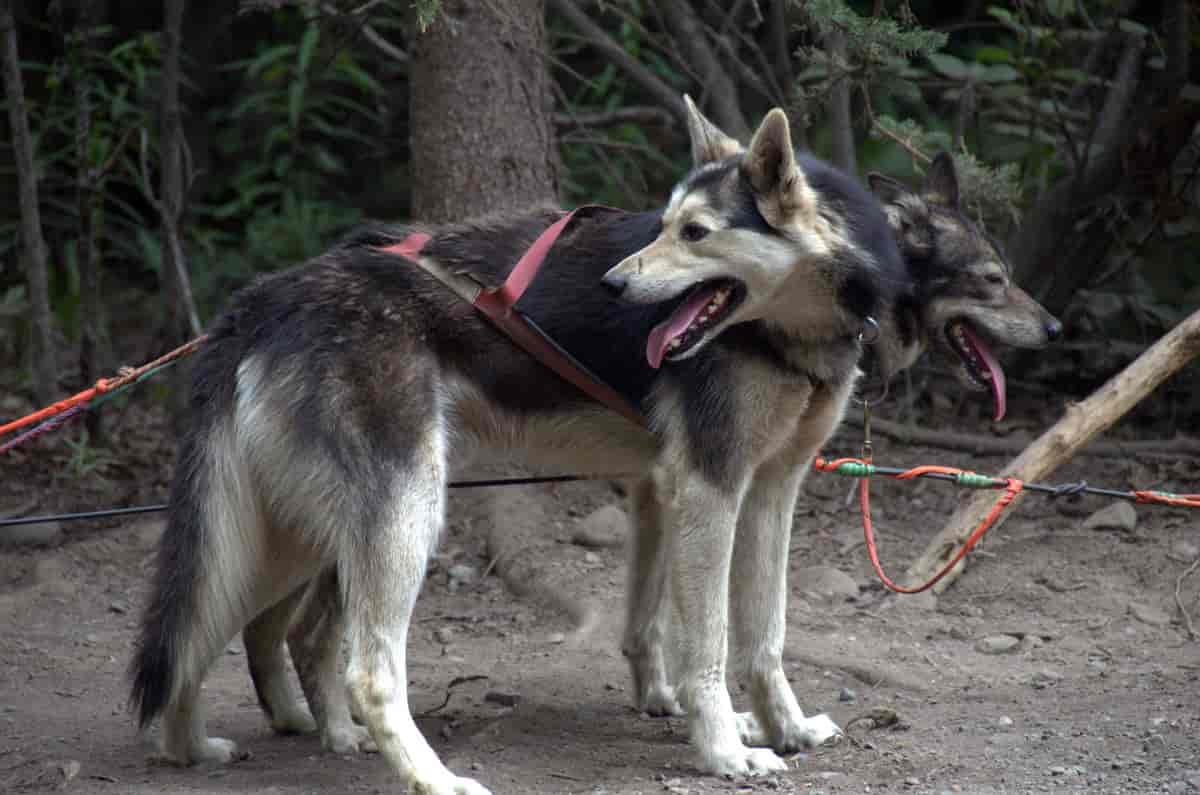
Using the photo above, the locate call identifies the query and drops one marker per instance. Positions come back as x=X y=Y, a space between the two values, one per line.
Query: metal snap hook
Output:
x=869 y=334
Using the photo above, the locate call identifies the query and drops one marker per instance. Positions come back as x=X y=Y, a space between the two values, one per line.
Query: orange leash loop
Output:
x=1012 y=487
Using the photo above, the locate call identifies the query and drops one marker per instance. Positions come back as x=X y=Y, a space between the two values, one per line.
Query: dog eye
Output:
x=693 y=232
x=995 y=278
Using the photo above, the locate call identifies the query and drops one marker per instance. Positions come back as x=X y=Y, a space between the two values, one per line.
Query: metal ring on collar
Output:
x=870 y=331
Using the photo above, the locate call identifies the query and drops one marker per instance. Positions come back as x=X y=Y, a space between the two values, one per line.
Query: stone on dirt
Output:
x=41 y=534
x=503 y=699
x=1149 y=615
x=604 y=527
x=1118 y=516
x=997 y=644
x=826 y=581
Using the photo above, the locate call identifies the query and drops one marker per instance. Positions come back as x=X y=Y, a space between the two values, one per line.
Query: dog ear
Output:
x=941 y=181
x=907 y=214
x=708 y=142
x=886 y=189
x=781 y=190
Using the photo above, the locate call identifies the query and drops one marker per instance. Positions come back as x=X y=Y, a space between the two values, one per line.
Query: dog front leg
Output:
x=703 y=520
x=759 y=602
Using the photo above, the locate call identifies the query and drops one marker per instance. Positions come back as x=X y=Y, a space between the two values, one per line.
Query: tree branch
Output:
x=636 y=114
x=595 y=35
x=688 y=32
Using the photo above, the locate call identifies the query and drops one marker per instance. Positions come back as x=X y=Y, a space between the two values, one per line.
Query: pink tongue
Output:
x=993 y=368
x=662 y=334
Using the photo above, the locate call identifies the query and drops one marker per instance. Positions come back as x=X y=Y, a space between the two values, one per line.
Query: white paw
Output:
x=741 y=761
x=294 y=720
x=449 y=785
x=213 y=750
x=795 y=735
x=750 y=731
x=660 y=701
x=348 y=739
x=813 y=731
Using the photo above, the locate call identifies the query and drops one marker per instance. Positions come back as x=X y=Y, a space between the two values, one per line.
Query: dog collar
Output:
x=498 y=305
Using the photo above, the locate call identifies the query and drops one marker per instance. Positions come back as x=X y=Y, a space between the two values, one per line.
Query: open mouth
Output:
x=979 y=363
x=702 y=308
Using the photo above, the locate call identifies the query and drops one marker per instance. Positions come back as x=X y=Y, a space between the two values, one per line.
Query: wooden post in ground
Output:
x=1081 y=422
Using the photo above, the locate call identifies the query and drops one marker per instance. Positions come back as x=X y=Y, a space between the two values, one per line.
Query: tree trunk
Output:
x=33 y=245
x=840 y=122
x=482 y=131
x=87 y=252
x=182 y=319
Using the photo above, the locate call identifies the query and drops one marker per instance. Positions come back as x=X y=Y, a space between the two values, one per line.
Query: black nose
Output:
x=615 y=283
x=1053 y=329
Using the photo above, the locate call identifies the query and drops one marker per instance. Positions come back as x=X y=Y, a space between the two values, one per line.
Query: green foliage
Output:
x=284 y=146
x=872 y=41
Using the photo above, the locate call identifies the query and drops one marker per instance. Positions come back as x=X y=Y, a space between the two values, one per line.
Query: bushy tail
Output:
x=170 y=617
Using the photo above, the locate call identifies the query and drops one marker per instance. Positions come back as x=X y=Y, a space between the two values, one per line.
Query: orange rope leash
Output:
x=1012 y=487
x=103 y=385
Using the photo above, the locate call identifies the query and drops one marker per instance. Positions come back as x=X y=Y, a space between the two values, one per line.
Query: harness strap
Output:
x=498 y=304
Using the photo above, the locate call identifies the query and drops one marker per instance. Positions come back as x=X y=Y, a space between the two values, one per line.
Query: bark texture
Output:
x=33 y=244
x=482 y=130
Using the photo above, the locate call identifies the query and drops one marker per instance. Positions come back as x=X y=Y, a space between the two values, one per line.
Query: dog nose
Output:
x=614 y=282
x=1053 y=329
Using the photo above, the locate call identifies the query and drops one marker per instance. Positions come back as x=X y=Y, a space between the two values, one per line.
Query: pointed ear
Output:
x=708 y=142
x=941 y=181
x=886 y=189
x=781 y=190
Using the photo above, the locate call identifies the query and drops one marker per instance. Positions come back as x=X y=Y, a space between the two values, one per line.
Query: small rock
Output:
x=1149 y=615
x=997 y=644
x=591 y=558
x=826 y=581
x=41 y=534
x=1004 y=721
x=503 y=699
x=446 y=731
x=847 y=696
x=1118 y=516
x=461 y=571
x=1184 y=552
x=604 y=527
x=912 y=781
x=1058 y=770
x=1045 y=678
x=960 y=633
x=118 y=608
x=924 y=602
x=444 y=635
x=70 y=771
x=1192 y=777
x=556 y=637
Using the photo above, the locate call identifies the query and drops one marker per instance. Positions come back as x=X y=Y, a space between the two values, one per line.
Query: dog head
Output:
x=966 y=300
x=748 y=235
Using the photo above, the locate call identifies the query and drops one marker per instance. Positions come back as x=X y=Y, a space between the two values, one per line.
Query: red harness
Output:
x=498 y=304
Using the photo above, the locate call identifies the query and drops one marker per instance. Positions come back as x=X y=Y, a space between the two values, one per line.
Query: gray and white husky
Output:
x=333 y=402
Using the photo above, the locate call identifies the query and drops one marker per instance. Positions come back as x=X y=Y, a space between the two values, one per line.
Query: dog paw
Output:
x=806 y=733
x=349 y=739
x=741 y=761
x=795 y=735
x=660 y=702
x=294 y=720
x=213 y=750
x=448 y=785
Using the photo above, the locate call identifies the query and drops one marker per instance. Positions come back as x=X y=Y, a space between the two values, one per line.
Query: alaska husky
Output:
x=961 y=301
x=332 y=403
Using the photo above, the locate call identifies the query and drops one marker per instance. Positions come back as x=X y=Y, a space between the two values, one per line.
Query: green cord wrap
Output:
x=973 y=480
x=855 y=469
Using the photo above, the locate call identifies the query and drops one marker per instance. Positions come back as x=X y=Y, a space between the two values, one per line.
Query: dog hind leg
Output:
x=315 y=641
x=264 y=639
x=648 y=608
x=381 y=568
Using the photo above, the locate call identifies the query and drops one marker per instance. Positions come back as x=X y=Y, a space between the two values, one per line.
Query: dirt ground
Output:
x=1099 y=692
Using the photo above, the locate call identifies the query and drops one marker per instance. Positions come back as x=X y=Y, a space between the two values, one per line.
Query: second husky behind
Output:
x=333 y=402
